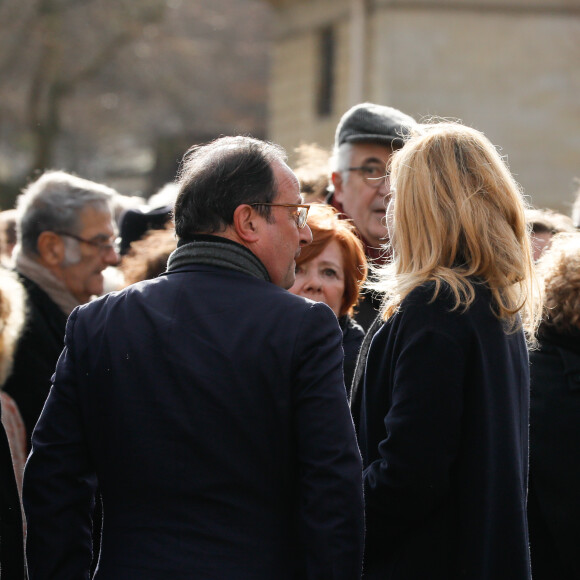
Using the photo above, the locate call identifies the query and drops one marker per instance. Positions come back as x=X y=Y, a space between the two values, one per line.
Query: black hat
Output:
x=137 y=221
x=368 y=122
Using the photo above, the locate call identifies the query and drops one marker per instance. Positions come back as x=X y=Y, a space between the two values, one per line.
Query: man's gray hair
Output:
x=340 y=160
x=54 y=202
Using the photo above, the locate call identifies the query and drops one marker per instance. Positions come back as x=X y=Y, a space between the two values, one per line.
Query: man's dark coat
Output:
x=210 y=407
x=36 y=354
x=369 y=301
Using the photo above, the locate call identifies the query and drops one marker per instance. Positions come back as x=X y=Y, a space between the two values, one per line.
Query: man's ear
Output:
x=247 y=223
x=50 y=248
x=337 y=181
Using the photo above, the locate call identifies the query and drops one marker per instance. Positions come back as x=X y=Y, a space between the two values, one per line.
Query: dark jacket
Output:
x=554 y=498
x=352 y=337
x=210 y=407
x=368 y=309
x=11 y=540
x=36 y=354
x=443 y=431
x=370 y=303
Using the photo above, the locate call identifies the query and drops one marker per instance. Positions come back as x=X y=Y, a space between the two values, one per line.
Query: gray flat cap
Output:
x=368 y=122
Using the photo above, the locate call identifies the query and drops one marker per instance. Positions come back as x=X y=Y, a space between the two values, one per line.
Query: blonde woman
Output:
x=442 y=411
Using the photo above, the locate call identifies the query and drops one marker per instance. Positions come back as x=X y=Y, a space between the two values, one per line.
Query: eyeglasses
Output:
x=300 y=215
x=102 y=246
x=373 y=175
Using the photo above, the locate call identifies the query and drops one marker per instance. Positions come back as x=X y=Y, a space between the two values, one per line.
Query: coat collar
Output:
x=217 y=251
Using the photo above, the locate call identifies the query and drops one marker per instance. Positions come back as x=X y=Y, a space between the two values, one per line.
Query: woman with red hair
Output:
x=331 y=270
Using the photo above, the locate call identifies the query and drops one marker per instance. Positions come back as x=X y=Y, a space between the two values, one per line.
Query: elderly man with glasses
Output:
x=65 y=241
x=208 y=404
x=365 y=139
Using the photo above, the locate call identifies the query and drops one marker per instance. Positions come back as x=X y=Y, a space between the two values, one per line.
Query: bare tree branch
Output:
x=103 y=58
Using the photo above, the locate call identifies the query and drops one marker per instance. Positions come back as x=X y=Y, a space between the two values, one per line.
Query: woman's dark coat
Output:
x=443 y=431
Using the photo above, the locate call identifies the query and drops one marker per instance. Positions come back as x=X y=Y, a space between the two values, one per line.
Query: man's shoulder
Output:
x=35 y=294
x=269 y=301
x=297 y=303
x=109 y=300
x=256 y=291
x=42 y=313
x=253 y=292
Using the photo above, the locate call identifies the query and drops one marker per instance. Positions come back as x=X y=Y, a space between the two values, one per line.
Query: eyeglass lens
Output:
x=301 y=216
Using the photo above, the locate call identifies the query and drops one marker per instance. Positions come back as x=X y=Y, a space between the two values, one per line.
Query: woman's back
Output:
x=445 y=490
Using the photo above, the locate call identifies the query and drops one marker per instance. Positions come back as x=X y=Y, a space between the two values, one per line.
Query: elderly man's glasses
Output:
x=373 y=175
x=300 y=215
x=104 y=245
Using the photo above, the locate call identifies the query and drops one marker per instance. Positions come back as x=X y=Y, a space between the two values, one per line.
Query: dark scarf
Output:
x=217 y=251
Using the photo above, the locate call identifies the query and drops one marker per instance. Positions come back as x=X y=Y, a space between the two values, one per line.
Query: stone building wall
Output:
x=510 y=69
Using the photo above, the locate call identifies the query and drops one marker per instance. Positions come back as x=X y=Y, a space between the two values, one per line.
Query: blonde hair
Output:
x=559 y=270
x=459 y=220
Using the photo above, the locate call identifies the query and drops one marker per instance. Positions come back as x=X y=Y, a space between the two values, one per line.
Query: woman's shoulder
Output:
x=429 y=296
x=441 y=296
x=427 y=306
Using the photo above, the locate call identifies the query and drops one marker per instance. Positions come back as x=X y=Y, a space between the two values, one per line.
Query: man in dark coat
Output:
x=11 y=541
x=207 y=404
x=65 y=234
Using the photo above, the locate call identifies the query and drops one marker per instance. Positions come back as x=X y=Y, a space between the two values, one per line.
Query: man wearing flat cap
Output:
x=365 y=139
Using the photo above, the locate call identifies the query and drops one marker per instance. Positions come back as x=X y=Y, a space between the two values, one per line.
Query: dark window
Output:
x=325 y=89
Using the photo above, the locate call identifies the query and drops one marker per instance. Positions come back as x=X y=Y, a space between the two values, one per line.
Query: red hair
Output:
x=326 y=226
